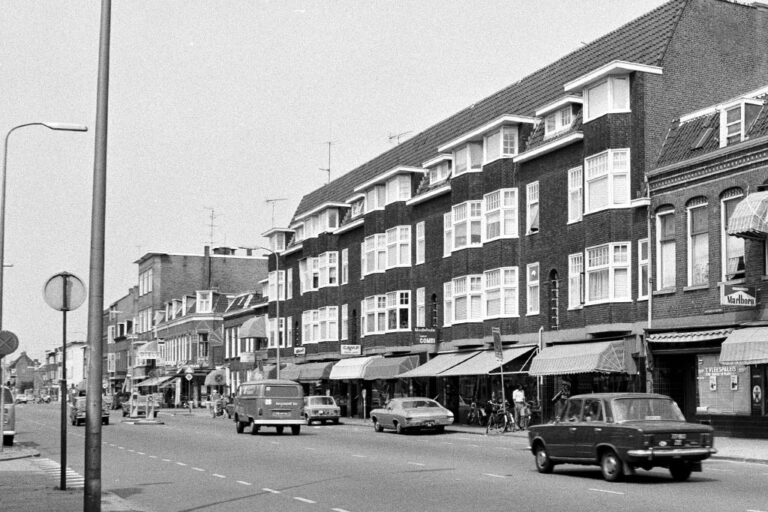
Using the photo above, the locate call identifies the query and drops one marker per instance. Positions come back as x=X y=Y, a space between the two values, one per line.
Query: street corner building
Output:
x=582 y=229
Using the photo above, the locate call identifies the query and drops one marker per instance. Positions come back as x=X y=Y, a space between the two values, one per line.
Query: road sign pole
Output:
x=2 y=404
x=63 y=398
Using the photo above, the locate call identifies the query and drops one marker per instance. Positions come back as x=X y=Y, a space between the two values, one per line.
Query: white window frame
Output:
x=663 y=245
x=469 y=216
x=345 y=266
x=447 y=304
x=617 y=98
x=375 y=307
x=500 y=143
x=145 y=282
x=533 y=289
x=576 y=280
x=728 y=242
x=439 y=172
x=398 y=188
x=690 y=235
x=503 y=282
x=399 y=308
x=614 y=264
x=421 y=242
x=344 y=322
x=468 y=288
x=471 y=155
x=398 y=247
x=289 y=284
x=421 y=308
x=204 y=301
x=500 y=208
x=575 y=194
x=727 y=131
x=447 y=234
x=558 y=121
x=375 y=198
x=643 y=267
x=531 y=203
x=615 y=170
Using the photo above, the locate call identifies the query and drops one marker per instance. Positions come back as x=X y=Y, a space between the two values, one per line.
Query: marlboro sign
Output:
x=735 y=295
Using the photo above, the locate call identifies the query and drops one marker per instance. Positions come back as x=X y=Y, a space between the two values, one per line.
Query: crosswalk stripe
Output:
x=52 y=468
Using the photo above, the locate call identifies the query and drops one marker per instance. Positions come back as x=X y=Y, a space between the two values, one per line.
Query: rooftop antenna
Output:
x=397 y=136
x=211 y=225
x=273 y=201
x=328 y=169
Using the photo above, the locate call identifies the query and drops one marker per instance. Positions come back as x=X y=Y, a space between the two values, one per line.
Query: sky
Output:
x=217 y=106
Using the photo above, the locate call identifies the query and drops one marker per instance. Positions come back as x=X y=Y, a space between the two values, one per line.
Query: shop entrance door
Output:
x=757 y=387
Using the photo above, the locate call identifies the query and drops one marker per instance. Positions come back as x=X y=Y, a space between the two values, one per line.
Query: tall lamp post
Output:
x=277 y=305
x=67 y=127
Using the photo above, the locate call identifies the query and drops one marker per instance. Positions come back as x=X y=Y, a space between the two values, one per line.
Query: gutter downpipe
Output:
x=646 y=346
x=539 y=378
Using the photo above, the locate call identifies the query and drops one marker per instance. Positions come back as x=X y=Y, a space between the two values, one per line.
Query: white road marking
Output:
x=474 y=445
x=218 y=475
x=722 y=470
x=303 y=500
x=181 y=464
x=198 y=469
x=271 y=490
x=753 y=510
x=416 y=463
x=141 y=453
x=462 y=438
x=244 y=483
x=606 y=491
x=134 y=451
x=339 y=510
x=359 y=456
x=166 y=460
x=274 y=442
x=121 y=448
x=153 y=456
x=493 y=475
x=308 y=448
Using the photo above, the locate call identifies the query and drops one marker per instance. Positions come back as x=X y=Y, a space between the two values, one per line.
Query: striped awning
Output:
x=485 y=362
x=745 y=346
x=155 y=381
x=750 y=218
x=601 y=357
x=350 y=369
x=389 y=367
x=688 y=336
x=437 y=365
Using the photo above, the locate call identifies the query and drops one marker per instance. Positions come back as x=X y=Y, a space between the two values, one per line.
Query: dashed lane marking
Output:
x=181 y=464
x=198 y=469
x=153 y=456
x=309 y=448
x=218 y=475
x=166 y=460
x=721 y=470
x=416 y=463
x=359 y=456
x=606 y=491
x=303 y=500
x=267 y=489
x=244 y=483
x=141 y=453
x=494 y=475
x=339 y=510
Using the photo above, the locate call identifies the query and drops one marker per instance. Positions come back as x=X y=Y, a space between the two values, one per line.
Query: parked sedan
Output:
x=621 y=432
x=78 y=408
x=411 y=413
x=321 y=408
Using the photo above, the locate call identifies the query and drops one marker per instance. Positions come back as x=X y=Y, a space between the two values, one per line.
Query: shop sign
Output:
x=350 y=350
x=426 y=336
x=299 y=351
x=709 y=371
x=496 y=332
x=732 y=295
x=247 y=357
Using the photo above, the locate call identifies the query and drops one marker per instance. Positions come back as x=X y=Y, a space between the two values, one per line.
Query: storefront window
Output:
x=722 y=389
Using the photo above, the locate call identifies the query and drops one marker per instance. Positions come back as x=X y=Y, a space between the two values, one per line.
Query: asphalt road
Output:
x=195 y=463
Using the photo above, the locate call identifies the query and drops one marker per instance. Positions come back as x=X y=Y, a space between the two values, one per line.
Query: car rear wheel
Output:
x=105 y=421
x=543 y=462
x=239 y=426
x=309 y=420
x=680 y=472
x=295 y=429
x=399 y=429
x=610 y=465
x=377 y=426
x=279 y=429
x=8 y=440
x=254 y=429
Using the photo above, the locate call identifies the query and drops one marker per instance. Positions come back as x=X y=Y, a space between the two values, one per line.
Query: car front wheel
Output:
x=543 y=462
x=295 y=429
x=610 y=465
x=377 y=426
x=8 y=440
x=399 y=429
x=309 y=420
x=239 y=426
x=680 y=472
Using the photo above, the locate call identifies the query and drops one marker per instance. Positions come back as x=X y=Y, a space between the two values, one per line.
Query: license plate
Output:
x=280 y=414
x=679 y=436
x=430 y=424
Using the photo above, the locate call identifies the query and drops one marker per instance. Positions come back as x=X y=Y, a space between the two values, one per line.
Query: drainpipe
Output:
x=539 y=378
x=646 y=346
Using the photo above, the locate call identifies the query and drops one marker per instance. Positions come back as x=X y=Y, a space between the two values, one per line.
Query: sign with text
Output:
x=299 y=351
x=496 y=332
x=350 y=350
x=425 y=336
x=734 y=295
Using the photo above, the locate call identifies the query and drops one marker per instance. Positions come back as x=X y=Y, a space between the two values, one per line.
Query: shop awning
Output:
x=311 y=372
x=389 y=367
x=270 y=370
x=352 y=368
x=437 y=364
x=689 y=336
x=148 y=351
x=601 y=356
x=485 y=362
x=155 y=381
x=750 y=218
x=291 y=372
x=253 y=328
x=216 y=378
x=745 y=346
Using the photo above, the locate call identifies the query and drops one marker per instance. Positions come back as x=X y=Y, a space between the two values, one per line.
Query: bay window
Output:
x=467 y=225
x=500 y=212
x=398 y=188
x=606 y=96
x=375 y=198
x=607 y=273
x=501 y=143
x=534 y=289
x=501 y=292
x=467 y=298
x=468 y=158
x=607 y=180
x=557 y=121
x=398 y=309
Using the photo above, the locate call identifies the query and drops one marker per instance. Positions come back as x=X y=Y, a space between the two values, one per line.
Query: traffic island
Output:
x=142 y=421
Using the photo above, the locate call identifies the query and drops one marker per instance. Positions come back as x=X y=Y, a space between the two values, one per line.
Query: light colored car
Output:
x=269 y=403
x=411 y=413
x=321 y=408
x=621 y=432
x=77 y=410
x=9 y=417
x=22 y=398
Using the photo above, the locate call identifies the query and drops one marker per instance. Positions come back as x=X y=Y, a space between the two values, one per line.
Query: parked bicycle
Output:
x=476 y=415
x=500 y=420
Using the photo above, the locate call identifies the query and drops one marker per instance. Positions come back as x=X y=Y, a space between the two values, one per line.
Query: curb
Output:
x=740 y=459
x=20 y=453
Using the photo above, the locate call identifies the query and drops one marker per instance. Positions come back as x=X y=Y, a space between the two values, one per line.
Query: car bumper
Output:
x=278 y=422
x=675 y=453
x=428 y=423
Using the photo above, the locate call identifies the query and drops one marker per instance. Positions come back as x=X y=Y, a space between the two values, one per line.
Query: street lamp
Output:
x=68 y=127
x=277 y=305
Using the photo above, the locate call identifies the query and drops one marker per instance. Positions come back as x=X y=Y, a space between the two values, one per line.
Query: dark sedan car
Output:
x=621 y=432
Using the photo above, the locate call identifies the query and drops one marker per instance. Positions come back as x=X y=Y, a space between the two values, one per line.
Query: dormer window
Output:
x=440 y=172
x=607 y=96
x=277 y=241
x=735 y=120
x=358 y=207
x=299 y=233
x=398 y=188
x=204 y=301
x=500 y=144
x=375 y=198
x=558 y=121
x=468 y=158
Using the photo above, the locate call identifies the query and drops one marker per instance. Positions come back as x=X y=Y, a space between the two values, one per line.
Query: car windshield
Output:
x=646 y=409
x=416 y=404
x=321 y=400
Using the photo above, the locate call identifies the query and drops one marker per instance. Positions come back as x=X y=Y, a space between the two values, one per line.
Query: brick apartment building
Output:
x=526 y=212
x=708 y=332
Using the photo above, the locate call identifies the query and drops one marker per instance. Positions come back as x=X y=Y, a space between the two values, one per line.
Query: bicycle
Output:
x=499 y=421
x=476 y=415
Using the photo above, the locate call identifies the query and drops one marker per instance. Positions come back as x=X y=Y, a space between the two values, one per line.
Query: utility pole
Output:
x=273 y=201
x=328 y=169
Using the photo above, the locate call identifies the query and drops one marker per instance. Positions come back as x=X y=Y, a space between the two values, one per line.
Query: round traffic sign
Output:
x=64 y=292
x=9 y=342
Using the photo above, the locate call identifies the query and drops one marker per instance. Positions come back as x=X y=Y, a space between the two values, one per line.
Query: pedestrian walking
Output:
x=518 y=398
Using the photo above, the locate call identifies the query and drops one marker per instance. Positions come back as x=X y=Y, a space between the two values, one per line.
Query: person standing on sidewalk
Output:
x=518 y=397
